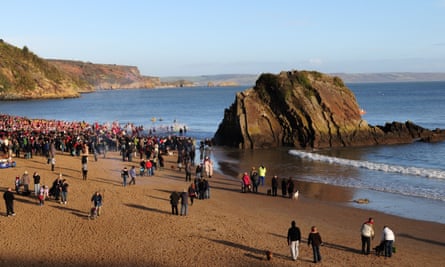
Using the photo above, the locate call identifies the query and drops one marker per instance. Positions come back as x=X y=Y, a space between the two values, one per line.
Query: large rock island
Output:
x=307 y=110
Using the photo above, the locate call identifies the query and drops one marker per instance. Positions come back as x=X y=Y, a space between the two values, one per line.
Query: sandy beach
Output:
x=136 y=227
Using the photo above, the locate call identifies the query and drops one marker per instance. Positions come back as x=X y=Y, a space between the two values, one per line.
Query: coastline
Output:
x=229 y=229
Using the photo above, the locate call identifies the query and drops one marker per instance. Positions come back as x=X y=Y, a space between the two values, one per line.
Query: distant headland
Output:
x=24 y=75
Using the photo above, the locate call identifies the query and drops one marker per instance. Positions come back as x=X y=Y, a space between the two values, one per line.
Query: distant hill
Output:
x=23 y=75
x=250 y=79
x=391 y=77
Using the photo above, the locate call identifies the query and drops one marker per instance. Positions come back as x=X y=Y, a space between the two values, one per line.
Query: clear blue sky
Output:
x=188 y=37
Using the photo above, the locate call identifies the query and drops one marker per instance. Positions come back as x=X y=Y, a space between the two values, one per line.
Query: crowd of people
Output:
x=22 y=137
x=28 y=138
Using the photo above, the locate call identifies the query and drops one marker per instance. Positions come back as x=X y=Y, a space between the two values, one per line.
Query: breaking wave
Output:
x=415 y=171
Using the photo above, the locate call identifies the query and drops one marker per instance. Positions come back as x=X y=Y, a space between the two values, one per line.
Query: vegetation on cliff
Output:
x=107 y=76
x=24 y=75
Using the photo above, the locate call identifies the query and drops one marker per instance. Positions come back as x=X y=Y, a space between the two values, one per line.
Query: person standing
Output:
x=198 y=171
x=188 y=171
x=314 y=239
x=254 y=180
x=18 y=183
x=84 y=162
x=25 y=182
x=124 y=174
x=42 y=196
x=246 y=184
x=174 y=199
x=283 y=187
x=64 y=190
x=388 y=239
x=290 y=187
x=53 y=163
x=184 y=203
x=132 y=174
x=36 y=178
x=367 y=232
x=8 y=196
x=262 y=174
x=56 y=187
x=192 y=192
x=293 y=240
x=274 y=183
x=208 y=167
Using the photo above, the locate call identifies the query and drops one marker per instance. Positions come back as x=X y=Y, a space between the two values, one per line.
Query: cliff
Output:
x=107 y=76
x=307 y=110
x=23 y=75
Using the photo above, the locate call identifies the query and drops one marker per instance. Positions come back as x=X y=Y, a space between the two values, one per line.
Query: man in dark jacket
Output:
x=8 y=196
x=293 y=240
x=174 y=199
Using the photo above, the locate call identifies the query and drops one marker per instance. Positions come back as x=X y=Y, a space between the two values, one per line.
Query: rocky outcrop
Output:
x=307 y=110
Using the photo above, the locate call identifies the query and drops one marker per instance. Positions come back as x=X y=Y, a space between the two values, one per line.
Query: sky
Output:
x=197 y=37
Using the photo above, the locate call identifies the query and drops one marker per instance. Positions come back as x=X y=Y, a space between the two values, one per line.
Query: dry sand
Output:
x=229 y=229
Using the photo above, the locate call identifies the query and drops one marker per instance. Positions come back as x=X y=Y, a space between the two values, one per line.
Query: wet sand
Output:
x=136 y=227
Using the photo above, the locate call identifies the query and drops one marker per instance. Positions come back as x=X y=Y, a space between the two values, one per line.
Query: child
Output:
x=53 y=163
x=42 y=195
x=314 y=239
x=17 y=184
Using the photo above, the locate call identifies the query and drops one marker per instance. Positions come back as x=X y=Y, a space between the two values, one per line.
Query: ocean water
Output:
x=404 y=180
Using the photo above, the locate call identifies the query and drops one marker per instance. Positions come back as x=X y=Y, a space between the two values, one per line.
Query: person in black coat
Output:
x=283 y=187
x=174 y=200
x=290 y=187
x=274 y=185
x=314 y=239
x=8 y=196
x=293 y=240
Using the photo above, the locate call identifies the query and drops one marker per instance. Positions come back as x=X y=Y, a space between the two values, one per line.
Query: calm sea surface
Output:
x=405 y=180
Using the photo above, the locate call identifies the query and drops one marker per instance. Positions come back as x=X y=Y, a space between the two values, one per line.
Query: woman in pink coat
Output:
x=247 y=184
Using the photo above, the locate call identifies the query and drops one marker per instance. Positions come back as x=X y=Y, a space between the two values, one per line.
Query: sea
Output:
x=404 y=180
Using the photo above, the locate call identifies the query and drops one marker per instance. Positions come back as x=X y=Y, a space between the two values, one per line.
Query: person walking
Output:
x=132 y=174
x=367 y=232
x=184 y=203
x=293 y=240
x=8 y=196
x=124 y=174
x=314 y=239
x=174 y=199
x=97 y=201
x=388 y=239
